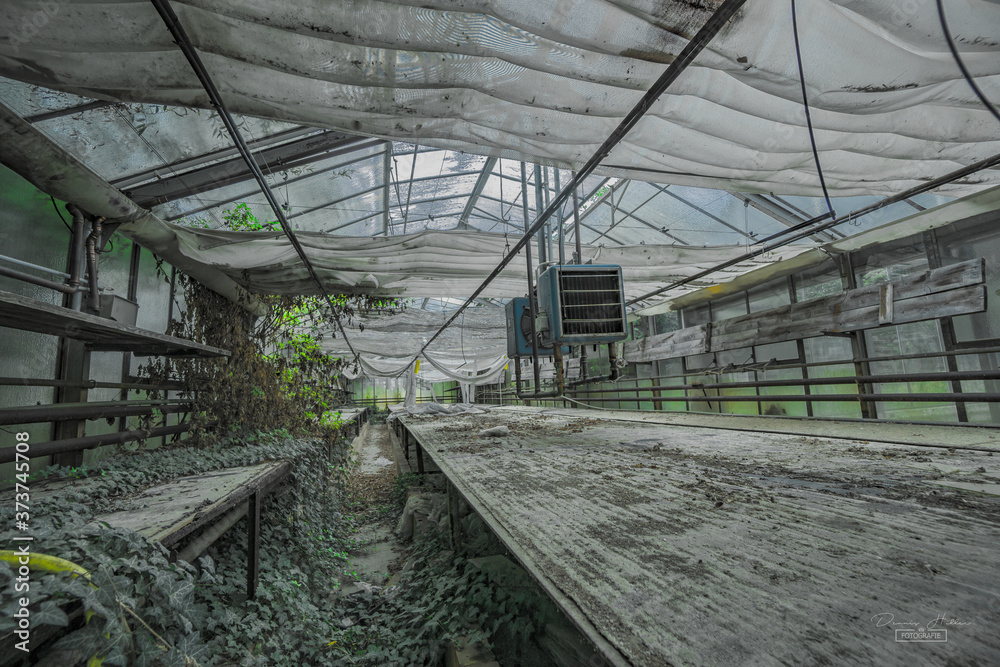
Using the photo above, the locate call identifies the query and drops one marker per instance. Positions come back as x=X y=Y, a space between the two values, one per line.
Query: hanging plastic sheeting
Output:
x=410 y=401
x=473 y=352
x=475 y=378
x=411 y=407
x=479 y=342
x=546 y=81
x=427 y=264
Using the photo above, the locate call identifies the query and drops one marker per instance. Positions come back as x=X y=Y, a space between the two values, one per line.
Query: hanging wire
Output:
x=172 y=22
x=59 y=213
x=805 y=103
x=961 y=65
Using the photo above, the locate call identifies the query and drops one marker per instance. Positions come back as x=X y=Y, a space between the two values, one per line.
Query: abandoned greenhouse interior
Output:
x=553 y=332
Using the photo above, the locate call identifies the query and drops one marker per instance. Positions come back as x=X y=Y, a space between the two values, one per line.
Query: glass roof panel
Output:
x=28 y=100
x=333 y=183
x=346 y=194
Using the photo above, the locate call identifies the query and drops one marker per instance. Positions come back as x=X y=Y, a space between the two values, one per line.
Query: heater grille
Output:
x=590 y=302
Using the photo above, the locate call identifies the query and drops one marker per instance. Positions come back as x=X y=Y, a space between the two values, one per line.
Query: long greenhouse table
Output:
x=670 y=544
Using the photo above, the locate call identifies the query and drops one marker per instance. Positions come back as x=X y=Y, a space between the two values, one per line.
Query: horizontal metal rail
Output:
x=91 y=384
x=41 y=282
x=9 y=454
x=53 y=413
x=811 y=398
x=36 y=267
x=847 y=379
x=758 y=366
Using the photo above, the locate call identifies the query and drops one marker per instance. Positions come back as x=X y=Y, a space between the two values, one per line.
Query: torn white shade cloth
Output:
x=477 y=339
x=435 y=264
x=547 y=81
x=472 y=378
x=435 y=370
x=411 y=388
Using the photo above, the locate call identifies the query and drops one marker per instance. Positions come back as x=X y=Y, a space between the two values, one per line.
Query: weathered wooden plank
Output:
x=691 y=340
x=967 y=273
x=941 y=304
x=948 y=291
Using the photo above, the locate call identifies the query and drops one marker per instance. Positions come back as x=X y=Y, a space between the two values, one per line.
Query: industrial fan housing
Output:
x=581 y=304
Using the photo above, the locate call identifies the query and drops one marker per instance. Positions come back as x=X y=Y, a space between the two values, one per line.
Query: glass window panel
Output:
x=730 y=306
x=666 y=322
x=966 y=241
x=832 y=349
x=695 y=315
x=890 y=262
x=769 y=295
x=820 y=281
x=907 y=339
x=736 y=358
x=983 y=413
x=783 y=351
x=783 y=408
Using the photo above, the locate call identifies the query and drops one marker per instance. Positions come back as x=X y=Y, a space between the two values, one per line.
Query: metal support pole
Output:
x=131 y=295
x=539 y=206
x=947 y=326
x=859 y=349
x=559 y=221
x=73 y=364
x=93 y=245
x=253 y=544
x=532 y=306
x=578 y=258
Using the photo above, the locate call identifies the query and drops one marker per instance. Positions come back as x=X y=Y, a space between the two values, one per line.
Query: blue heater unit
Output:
x=519 y=330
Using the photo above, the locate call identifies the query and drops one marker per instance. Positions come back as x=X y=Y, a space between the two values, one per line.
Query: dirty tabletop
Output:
x=673 y=544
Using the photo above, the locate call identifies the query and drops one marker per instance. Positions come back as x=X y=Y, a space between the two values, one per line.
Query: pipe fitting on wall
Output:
x=93 y=243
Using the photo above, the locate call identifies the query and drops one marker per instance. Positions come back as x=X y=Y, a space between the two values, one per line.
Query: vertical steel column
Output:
x=578 y=258
x=253 y=543
x=547 y=196
x=170 y=318
x=859 y=349
x=386 y=170
x=947 y=326
x=539 y=206
x=131 y=295
x=73 y=361
x=532 y=309
x=559 y=221
x=800 y=348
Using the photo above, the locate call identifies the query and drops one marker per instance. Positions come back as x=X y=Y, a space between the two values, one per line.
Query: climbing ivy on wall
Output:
x=277 y=376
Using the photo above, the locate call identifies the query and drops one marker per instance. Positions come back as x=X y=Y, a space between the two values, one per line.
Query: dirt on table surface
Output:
x=684 y=544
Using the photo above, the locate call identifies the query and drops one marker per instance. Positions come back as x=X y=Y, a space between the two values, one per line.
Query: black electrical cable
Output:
x=687 y=55
x=173 y=24
x=59 y=213
x=805 y=104
x=961 y=64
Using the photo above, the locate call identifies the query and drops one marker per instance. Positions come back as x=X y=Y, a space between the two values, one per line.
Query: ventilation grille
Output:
x=591 y=303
